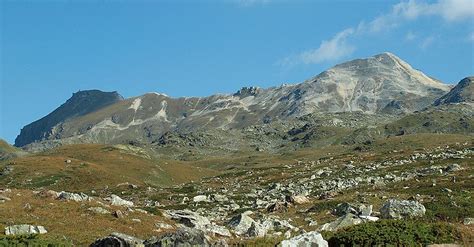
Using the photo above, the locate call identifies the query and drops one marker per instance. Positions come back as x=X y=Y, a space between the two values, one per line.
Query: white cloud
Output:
x=329 y=50
x=427 y=42
x=449 y=10
x=405 y=11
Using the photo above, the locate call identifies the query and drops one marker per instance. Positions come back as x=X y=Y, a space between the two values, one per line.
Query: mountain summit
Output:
x=81 y=103
x=380 y=84
x=463 y=92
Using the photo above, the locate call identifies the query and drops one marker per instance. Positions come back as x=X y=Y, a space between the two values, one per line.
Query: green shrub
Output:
x=394 y=233
x=31 y=241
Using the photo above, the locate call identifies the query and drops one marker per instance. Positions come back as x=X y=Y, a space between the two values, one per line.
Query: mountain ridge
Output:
x=379 y=84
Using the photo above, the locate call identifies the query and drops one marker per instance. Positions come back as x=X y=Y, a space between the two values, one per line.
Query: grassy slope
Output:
x=107 y=165
x=71 y=220
x=94 y=166
x=8 y=151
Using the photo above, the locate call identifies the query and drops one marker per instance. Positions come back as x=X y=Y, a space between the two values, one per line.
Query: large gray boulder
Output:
x=118 y=240
x=24 y=230
x=354 y=208
x=399 y=209
x=77 y=197
x=183 y=237
x=117 y=201
x=194 y=220
x=342 y=222
x=243 y=225
x=309 y=239
x=188 y=218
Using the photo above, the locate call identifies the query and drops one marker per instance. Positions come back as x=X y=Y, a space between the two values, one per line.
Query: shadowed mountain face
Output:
x=380 y=84
x=461 y=93
x=81 y=103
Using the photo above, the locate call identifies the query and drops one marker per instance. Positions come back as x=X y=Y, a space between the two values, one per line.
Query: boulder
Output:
x=217 y=230
x=468 y=221
x=243 y=225
x=118 y=240
x=117 y=201
x=399 y=209
x=68 y=196
x=353 y=208
x=24 y=230
x=219 y=198
x=277 y=207
x=309 y=239
x=299 y=199
x=183 y=237
x=188 y=218
x=342 y=222
x=275 y=224
x=200 y=198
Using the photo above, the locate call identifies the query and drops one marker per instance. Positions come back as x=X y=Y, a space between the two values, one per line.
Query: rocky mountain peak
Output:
x=463 y=92
x=81 y=103
x=248 y=91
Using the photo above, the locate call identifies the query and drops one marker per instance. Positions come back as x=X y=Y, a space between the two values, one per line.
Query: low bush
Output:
x=394 y=233
x=31 y=241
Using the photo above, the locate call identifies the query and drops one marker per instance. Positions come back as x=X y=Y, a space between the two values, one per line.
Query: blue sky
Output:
x=50 y=49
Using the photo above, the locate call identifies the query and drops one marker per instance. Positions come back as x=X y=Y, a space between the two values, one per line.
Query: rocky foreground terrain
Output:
x=368 y=153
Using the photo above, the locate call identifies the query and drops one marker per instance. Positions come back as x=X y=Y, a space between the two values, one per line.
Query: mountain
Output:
x=463 y=92
x=379 y=84
x=81 y=103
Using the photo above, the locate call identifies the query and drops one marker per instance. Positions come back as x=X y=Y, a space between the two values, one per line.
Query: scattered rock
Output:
x=299 y=199
x=117 y=201
x=468 y=221
x=118 y=214
x=4 y=199
x=68 y=196
x=119 y=240
x=218 y=230
x=24 y=230
x=309 y=239
x=453 y=168
x=354 y=208
x=183 y=237
x=188 y=218
x=200 y=198
x=399 y=209
x=341 y=222
x=243 y=225
x=161 y=225
x=278 y=207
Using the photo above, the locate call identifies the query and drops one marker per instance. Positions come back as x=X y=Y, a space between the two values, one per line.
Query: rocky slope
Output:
x=379 y=84
x=81 y=103
x=463 y=92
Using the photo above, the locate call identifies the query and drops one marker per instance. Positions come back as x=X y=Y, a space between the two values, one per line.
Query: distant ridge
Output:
x=380 y=84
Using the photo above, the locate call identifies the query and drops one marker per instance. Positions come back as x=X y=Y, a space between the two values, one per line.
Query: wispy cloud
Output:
x=405 y=11
x=329 y=50
x=427 y=42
